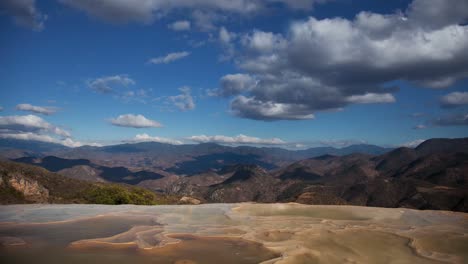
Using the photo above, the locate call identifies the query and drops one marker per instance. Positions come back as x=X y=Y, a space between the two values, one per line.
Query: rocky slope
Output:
x=431 y=176
x=84 y=169
x=428 y=177
x=21 y=183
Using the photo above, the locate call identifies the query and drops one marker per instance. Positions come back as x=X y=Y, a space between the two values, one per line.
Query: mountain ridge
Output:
x=33 y=145
x=432 y=176
x=186 y=159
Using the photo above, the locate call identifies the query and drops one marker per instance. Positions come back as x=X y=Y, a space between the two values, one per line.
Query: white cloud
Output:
x=225 y=37
x=30 y=123
x=344 y=43
x=454 y=99
x=439 y=13
x=183 y=101
x=24 y=13
x=171 y=57
x=37 y=109
x=239 y=139
x=31 y=127
x=234 y=84
x=413 y=144
x=263 y=42
x=147 y=138
x=371 y=98
x=339 y=143
x=205 y=20
x=30 y=136
x=327 y=64
x=181 y=25
x=107 y=84
x=68 y=142
x=135 y=121
x=269 y=110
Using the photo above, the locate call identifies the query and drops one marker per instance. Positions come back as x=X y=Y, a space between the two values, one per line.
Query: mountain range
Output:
x=433 y=175
x=187 y=159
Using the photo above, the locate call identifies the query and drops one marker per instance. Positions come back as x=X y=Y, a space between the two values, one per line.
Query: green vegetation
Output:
x=66 y=190
x=9 y=195
x=117 y=194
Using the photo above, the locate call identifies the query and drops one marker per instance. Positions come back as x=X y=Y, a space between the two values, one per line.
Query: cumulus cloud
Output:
x=327 y=64
x=205 y=20
x=147 y=11
x=171 y=57
x=135 y=121
x=439 y=13
x=225 y=36
x=147 y=138
x=24 y=13
x=183 y=101
x=181 y=25
x=121 y=87
x=239 y=139
x=234 y=84
x=371 y=98
x=31 y=127
x=459 y=119
x=30 y=123
x=107 y=84
x=37 y=109
x=259 y=41
x=68 y=142
x=260 y=110
x=413 y=144
x=454 y=99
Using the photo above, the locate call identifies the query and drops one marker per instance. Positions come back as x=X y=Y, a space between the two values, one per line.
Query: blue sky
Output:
x=89 y=64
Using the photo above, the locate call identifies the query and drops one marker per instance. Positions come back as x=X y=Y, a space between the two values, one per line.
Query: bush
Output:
x=115 y=194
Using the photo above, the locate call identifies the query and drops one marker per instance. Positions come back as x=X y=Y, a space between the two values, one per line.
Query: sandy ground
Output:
x=230 y=233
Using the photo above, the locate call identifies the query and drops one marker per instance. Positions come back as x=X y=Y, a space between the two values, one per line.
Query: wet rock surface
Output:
x=230 y=233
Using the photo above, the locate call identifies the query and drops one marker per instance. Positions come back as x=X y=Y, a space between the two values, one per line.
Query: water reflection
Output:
x=229 y=233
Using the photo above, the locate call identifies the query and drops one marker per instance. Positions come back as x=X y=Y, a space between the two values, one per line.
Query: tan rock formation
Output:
x=189 y=200
x=31 y=189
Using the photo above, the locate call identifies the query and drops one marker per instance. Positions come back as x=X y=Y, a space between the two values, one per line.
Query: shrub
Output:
x=115 y=194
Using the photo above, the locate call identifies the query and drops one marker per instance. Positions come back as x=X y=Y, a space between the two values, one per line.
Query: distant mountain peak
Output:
x=245 y=172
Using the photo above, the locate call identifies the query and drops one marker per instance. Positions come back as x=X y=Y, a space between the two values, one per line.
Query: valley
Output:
x=433 y=175
x=233 y=131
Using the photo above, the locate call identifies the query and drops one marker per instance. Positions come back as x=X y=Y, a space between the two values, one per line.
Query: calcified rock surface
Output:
x=31 y=189
x=230 y=233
